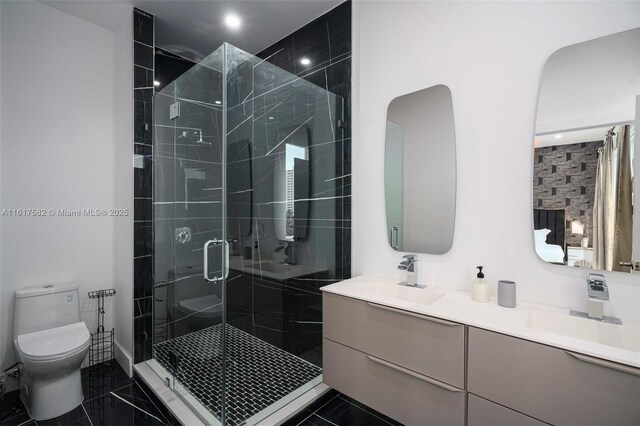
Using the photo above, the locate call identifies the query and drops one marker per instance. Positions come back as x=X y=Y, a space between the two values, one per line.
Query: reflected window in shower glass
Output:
x=291 y=187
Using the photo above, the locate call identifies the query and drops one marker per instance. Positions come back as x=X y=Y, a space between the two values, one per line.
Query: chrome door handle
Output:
x=414 y=315
x=225 y=247
x=394 y=237
x=418 y=376
x=606 y=364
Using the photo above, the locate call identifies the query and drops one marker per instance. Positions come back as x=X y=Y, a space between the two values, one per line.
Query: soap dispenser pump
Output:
x=480 y=288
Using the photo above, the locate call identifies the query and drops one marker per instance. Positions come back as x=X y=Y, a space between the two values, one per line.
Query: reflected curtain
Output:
x=624 y=207
x=612 y=210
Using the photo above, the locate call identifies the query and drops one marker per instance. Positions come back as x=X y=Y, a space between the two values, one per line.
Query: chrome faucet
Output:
x=597 y=294
x=409 y=265
x=289 y=254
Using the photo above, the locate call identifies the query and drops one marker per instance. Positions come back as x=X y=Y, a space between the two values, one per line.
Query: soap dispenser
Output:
x=480 y=288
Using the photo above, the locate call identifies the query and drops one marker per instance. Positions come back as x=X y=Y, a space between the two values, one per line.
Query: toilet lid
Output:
x=54 y=341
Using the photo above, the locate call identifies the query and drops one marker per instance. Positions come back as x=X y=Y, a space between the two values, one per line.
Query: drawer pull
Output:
x=606 y=364
x=414 y=374
x=411 y=314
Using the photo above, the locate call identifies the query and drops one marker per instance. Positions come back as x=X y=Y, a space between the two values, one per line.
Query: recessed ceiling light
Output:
x=218 y=102
x=305 y=61
x=558 y=136
x=232 y=21
x=156 y=83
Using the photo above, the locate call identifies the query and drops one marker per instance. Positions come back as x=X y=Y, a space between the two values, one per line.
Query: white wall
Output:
x=58 y=136
x=574 y=94
x=491 y=56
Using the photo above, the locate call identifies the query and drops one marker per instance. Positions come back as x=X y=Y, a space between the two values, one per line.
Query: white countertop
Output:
x=571 y=332
x=272 y=269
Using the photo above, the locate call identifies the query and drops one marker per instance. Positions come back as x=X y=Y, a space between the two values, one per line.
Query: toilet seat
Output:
x=54 y=343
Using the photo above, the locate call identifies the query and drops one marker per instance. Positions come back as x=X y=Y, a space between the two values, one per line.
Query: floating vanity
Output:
x=433 y=356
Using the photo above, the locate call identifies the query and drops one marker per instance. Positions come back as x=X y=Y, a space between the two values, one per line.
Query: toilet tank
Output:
x=46 y=306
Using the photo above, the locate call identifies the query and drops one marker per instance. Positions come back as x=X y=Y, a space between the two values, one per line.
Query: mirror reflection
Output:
x=585 y=155
x=420 y=171
x=291 y=185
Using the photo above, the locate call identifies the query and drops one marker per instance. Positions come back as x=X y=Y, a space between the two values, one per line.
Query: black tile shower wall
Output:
x=143 y=78
x=168 y=67
x=326 y=43
x=564 y=177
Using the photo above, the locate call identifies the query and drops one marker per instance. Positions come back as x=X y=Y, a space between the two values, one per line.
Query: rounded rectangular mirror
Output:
x=585 y=157
x=420 y=171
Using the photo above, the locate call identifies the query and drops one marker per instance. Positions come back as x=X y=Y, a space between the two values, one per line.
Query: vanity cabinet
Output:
x=429 y=346
x=411 y=367
x=482 y=412
x=405 y=365
x=551 y=384
x=402 y=394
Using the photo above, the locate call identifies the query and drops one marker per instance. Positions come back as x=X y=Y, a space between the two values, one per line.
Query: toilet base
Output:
x=48 y=398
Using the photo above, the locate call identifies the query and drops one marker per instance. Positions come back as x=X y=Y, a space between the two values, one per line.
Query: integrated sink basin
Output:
x=624 y=336
x=423 y=296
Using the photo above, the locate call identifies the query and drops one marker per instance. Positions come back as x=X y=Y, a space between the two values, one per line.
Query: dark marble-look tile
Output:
x=127 y=406
x=142 y=171
x=19 y=418
x=142 y=241
x=142 y=55
x=142 y=306
x=143 y=115
x=19 y=421
x=280 y=55
x=156 y=401
x=169 y=67
x=12 y=411
x=311 y=42
x=143 y=209
x=142 y=338
x=142 y=277
x=76 y=417
x=315 y=420
x=339 y=22
x=103 y=378
x=142 y=27
x=346 y=411
x=142 y=77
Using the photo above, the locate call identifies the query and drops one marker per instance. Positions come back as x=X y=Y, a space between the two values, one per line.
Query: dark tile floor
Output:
x=334 y=408
x=110 y=398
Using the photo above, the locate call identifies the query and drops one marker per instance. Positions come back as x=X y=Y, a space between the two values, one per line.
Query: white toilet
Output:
x=51 y=342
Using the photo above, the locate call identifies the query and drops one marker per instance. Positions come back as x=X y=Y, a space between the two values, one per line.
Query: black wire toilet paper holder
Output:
x=102 y=346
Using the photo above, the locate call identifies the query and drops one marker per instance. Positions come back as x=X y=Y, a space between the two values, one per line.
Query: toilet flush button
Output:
x=69 y=298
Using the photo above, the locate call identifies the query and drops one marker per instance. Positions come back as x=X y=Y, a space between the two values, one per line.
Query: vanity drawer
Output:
x=551 y=384
x=401 y=394
x=481 y=412
x=427 y=345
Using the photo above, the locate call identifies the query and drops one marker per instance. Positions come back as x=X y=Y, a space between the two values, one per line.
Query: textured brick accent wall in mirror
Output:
x=564 y=176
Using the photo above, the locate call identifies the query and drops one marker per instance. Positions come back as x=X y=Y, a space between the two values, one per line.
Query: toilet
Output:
x=51 y=343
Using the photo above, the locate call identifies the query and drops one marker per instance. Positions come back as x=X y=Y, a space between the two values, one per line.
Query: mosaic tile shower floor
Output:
x=258 y=373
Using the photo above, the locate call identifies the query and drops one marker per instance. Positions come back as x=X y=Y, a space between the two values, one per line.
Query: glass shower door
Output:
x=190 y=246
x=246 y=193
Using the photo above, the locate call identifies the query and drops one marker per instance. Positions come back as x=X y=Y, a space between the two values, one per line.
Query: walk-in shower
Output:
x=246 y=186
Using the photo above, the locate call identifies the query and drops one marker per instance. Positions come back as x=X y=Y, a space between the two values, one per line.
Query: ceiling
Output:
x=567 y=138
x=193 y=29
